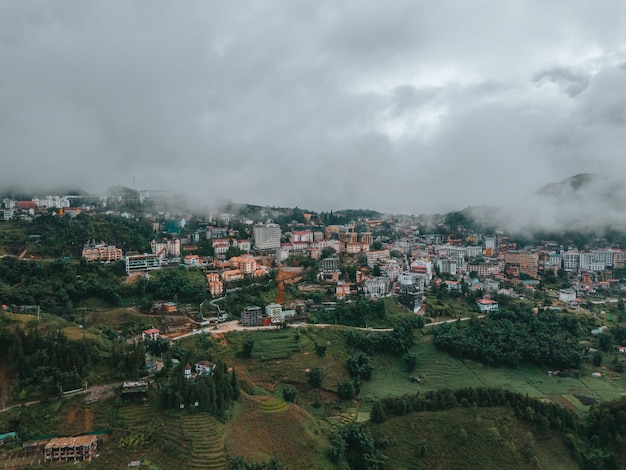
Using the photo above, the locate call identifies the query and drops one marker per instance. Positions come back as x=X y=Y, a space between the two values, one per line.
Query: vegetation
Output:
x=508 y=337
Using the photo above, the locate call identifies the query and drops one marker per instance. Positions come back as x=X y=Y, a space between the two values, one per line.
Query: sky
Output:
x=401 y=106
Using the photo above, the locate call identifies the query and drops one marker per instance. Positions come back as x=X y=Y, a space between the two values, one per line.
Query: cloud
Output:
x=398 y=106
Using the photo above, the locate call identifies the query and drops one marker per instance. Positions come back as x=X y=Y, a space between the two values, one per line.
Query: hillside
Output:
x=466 y=438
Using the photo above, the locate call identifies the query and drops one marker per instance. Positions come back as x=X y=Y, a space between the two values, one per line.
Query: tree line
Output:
x=506 y=338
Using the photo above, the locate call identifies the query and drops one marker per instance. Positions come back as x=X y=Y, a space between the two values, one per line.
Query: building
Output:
x=66 y=449
x=571 y=259
x=447 y=266
x=275 y=313
x=485 y=269
x=366 y=238
x=204 y=367
x=329 y=265
x=376 y=286
x=267 y=236
x=526 y=262
x=486 y=305
x=191 y=260
x=244 y=245
x=220 y=245
x=216 y=288
x=375 y=257
x=101 y=252
x=567 y=295
x=302 y=236
x=150 y=335
x=232 y=275
x=251 y=316
x=141 y=263
x=166 y=247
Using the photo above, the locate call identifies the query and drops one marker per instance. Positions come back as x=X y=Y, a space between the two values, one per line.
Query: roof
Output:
x=74 y=441
x=486 y=302
x=204 y=363
x=151 y=331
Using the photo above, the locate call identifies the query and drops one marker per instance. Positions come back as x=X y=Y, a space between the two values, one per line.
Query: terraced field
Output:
x=206 y=435
x=273 y=405
x=194 y=441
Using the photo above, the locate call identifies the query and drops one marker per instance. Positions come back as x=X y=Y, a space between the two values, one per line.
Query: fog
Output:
x=398 y=106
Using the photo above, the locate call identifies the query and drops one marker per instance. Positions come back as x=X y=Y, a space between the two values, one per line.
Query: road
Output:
x=235 y=326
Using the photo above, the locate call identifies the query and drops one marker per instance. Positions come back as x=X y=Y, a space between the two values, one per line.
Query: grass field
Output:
x=465 y=438
x=440 y=370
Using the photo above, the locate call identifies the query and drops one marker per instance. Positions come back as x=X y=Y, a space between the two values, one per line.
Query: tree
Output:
x=345 y=390
x=597 y=358
x=248 y=344
x=410 y=361
x=289 y=393
x=316 y=376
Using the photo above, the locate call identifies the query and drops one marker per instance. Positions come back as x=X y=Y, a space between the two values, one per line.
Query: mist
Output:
x=401 y=107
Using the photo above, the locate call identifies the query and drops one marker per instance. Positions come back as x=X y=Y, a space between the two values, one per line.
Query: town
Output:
x=199 y=308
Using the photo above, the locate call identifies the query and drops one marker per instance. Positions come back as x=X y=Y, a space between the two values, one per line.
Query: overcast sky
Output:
x=400 y=106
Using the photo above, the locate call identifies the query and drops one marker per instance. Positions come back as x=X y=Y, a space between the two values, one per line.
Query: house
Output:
x=452 y=285
x=170 y=307
x=187 y=371
x=150 y=335
x=486 y=305
x=567 y=295
x=192 y=260
x=204 y=367
x=621 y=349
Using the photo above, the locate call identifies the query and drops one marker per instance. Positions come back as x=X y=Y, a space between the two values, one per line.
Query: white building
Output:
x=486 y=305
x=275 y=312
x=567 y=295
x=140 y=263
x=376 y=286
x=490 y=243
x=571 y=260
x=447 y=266
x=267 y=236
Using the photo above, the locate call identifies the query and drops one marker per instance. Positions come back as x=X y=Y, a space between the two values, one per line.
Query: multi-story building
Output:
x=267 y=236
x=301 y=236
x=376 y=286
x=101 y=252
x=74 y=449
x=275 y=313
x=353 y=248
x=526 y=262
x=571 y=260
x=366 y=238
x=447 y=266
x=485 y=269
x=220 y=245
x=166 y=247
x=251 y=316
x=216 y=288
x=375 y=257
x=329 y=265
x=244 y=245
x=473 y=251
x=141 y=263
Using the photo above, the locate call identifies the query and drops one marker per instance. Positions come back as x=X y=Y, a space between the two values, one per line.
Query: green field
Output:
x=465 y=438
x=440 y=370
